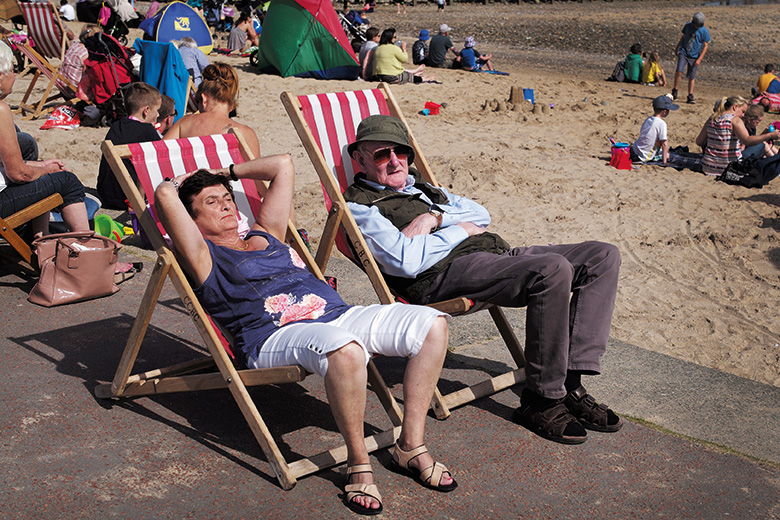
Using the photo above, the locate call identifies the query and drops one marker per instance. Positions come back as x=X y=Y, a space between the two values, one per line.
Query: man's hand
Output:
x=52 y=165
x=421 y=225
x=471 y=228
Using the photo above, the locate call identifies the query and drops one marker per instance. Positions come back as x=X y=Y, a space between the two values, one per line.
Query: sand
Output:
x=700 y=279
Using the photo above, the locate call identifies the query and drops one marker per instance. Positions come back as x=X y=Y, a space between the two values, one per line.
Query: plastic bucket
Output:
x=108 y=227
x=528 y=95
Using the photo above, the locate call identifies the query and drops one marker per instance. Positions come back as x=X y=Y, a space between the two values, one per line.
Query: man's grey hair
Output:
x=6 y=58
x=190 y=42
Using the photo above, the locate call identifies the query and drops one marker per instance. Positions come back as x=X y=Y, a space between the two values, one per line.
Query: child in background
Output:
x=166 y=115
x=420 y=48
x=142 y=103
x=67 y=11
x=653 y=132
x=652 y=73
x=768 y=82
x=753 y=116
x=471 y=59
x=633 y=64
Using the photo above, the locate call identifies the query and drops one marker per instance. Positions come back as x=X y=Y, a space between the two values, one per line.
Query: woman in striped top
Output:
x=724 y=135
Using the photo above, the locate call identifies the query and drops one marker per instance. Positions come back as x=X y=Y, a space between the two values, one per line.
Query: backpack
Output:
x=619 y=73
x=751 y=173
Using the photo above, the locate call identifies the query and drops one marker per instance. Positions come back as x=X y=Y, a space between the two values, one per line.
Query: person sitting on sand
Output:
x=389 y=60
x=433 y=246
x=247 y=285
x=724 y=136
x=753 y=116
x=473 y=60
x=634 y=64
x=242 y=35
x=440 y=46
x=652 y=73
x=420 y=48
x=365 y=55
x=768 y=82
x=652 y=136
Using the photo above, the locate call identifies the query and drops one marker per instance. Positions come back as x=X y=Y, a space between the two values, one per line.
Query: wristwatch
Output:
x=436 y=213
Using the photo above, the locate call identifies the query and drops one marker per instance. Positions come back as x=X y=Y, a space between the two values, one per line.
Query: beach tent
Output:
x=304 y=38
x=175 y=21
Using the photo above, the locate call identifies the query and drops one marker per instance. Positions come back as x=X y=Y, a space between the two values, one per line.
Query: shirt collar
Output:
x=409 y=182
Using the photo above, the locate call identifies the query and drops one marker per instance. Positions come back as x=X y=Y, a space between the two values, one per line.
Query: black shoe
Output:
x=674 y=94
x=690 y=100
x=589 y=413
x=553 y=422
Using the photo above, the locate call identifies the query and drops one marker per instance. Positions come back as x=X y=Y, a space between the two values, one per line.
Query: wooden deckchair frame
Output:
x=340 y=220
x=51 y=46
x=8 y=224
x=180 y=377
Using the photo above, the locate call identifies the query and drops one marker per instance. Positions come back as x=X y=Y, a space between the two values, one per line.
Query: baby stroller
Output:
x=108 y=71
x=354 y=25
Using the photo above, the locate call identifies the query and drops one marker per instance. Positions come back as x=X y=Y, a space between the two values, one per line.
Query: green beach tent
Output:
x=304 y=38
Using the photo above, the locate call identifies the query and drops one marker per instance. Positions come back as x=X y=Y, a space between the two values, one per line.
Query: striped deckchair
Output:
x=153 y=162
x=326 y=125
x=50 y=42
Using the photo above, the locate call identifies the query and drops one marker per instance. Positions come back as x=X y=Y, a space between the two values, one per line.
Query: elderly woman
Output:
x=23 y=183
x=218 y=94
x=280 y=314
x=724 y=135
x=193 y=58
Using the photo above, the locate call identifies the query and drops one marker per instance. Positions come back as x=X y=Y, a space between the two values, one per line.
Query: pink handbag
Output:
x=74 y=267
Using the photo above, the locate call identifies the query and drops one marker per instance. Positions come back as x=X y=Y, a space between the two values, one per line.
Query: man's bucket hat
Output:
x=381 y=128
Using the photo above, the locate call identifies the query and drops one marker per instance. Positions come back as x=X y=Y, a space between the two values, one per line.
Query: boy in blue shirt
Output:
x=690 y=51
x=471 y=59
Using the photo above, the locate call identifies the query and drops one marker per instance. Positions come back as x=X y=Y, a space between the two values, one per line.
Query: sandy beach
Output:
x=701 y=259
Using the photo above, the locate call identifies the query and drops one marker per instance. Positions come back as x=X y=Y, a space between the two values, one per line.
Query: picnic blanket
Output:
x=680 y=158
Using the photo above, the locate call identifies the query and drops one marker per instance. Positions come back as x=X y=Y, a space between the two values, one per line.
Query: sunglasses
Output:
x=382 y=157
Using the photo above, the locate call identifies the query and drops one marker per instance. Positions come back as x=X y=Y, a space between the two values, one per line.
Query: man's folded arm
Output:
x=460 y=209
x=397 y=254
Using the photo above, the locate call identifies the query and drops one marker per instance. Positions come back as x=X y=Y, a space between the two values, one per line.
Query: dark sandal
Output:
x=361 y=490
x=593 y=416
x=426 y=477
x=550 y=423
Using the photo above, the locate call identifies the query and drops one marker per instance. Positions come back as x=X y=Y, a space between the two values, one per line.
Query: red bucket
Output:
x=621 y=157
x=432 y=107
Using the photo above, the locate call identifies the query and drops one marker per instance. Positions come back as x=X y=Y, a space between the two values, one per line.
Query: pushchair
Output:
x=214 y=13
x=113 y=24
x=354 y=25
x=108 y=71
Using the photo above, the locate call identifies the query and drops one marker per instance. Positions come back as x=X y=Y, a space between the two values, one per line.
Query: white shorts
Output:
x=394 y=330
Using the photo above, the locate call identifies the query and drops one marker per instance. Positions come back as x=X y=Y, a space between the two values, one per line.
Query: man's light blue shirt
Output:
x=399 y=255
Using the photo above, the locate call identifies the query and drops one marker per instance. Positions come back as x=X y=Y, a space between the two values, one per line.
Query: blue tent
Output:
x=175 y=21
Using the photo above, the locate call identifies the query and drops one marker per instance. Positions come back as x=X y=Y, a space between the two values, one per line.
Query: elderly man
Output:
x=432 y=246
x=280 y=314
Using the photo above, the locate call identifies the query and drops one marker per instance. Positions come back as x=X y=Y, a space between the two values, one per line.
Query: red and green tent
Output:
x=304 y=38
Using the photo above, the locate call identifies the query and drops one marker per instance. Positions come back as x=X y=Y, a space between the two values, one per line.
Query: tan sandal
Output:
x=361 y=490
x=429 y=475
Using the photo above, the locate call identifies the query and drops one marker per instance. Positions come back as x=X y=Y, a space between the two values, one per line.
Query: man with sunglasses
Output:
x=432 y=245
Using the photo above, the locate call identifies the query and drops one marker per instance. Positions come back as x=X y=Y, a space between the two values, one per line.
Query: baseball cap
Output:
x=698 y=19
x=381 y=128
x=664 y=103
x=443 y=28
x=424 y=34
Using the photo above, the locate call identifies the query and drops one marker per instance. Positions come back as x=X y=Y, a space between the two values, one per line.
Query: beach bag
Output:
x=74 y=267
x=619 y=72
x=751 y=173
x=621 y=156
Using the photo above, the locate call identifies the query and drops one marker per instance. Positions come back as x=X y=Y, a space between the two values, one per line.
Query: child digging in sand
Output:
x=653 y=132
x=652 y=73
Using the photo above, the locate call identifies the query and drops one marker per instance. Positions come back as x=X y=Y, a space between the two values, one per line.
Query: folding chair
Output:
x=326 y=124
x=8 y=224
x=153 y=161
x=47 y=32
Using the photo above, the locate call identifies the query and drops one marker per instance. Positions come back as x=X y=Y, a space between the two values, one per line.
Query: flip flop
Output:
x=124 y=273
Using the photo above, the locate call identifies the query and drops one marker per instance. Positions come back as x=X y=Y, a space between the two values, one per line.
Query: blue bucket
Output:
x=528 y=95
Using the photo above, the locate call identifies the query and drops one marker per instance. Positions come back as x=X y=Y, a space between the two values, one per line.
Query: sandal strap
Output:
x=359 y=468
x=433 y=474
x=360 y=490
x=405 y=456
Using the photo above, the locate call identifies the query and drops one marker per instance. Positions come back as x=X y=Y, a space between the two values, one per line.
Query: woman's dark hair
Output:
x=199 y=181
x=636 y=49
x=387 y=36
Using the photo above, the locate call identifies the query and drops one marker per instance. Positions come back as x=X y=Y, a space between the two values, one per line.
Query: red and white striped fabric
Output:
x=333 y=119
x=774 y=101
x=44 y=27
x=156 y=160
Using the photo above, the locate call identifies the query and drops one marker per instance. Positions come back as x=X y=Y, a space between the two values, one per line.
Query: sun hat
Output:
x=698 y=19
x=470 y=42
x=443 y=28
x=424 y=34
x=664 y=103
x=381 y=128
